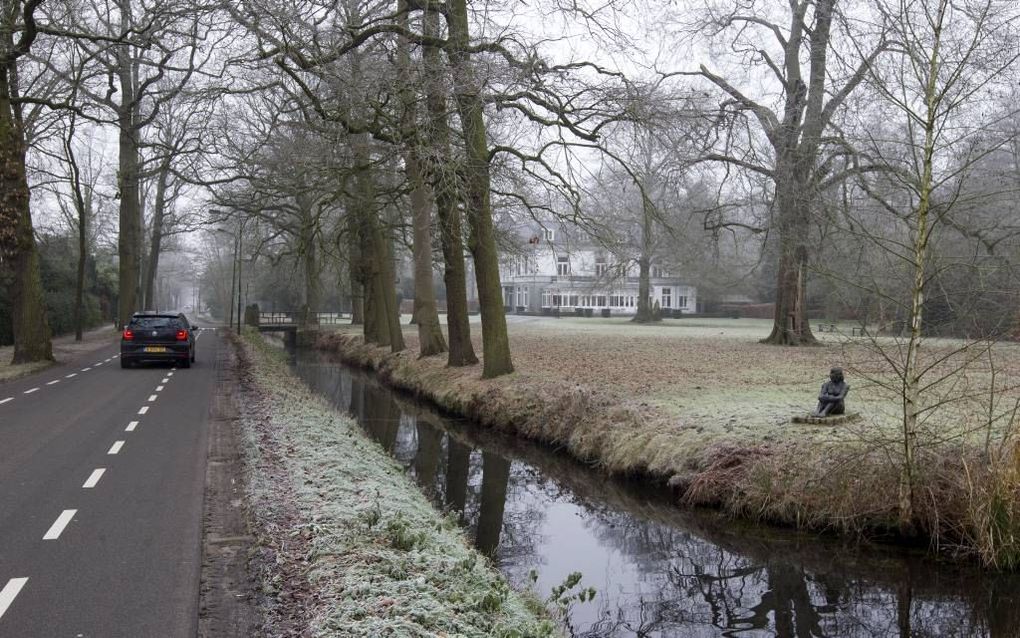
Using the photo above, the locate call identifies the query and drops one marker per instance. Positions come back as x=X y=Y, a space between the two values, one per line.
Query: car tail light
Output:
x=128 y=335
x=182 y=335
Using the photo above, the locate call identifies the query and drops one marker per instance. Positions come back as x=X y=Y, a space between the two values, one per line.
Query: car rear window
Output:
x=153 y=323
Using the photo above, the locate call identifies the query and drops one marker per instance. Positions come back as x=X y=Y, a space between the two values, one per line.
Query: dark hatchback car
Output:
x=167 y=337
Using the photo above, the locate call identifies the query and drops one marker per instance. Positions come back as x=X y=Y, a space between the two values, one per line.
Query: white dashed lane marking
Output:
x=159 y=388
x=131 y=426
x=115 y=448
x=10 y=592
x=6 y=400
x=143 y=409
x=31 y=391
x=152 y=397
x=57 y=528
x=53 y=382
x=71 y=376
x=85 y=369
x=93 y=478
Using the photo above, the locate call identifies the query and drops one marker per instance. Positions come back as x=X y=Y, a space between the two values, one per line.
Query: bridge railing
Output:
x=293 y=318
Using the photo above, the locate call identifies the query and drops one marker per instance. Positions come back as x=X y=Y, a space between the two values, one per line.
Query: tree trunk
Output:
x=382 y=317
x=310 y=264
x=355 y=270
x=82 y=207
x=912 y=368
x=496 y=359
x=645 y=312
x=426 y=315
x=18 y=251
x=790 y=325
x=444 y=184
x=130 y=238
x=388 y=289
x=156 y=238
x=79 y=281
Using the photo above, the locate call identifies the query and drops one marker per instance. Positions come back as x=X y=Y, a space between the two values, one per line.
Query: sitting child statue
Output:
x=830 y=399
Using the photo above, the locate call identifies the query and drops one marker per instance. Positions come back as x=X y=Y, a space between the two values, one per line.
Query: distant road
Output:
x=102 y=473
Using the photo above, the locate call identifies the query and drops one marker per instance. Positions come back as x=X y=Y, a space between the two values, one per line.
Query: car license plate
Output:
x=155 y=349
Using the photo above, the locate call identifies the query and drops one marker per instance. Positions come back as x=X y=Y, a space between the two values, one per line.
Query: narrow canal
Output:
x=660 y=570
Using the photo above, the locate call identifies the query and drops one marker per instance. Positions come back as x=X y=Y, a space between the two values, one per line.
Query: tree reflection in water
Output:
x=662 y=571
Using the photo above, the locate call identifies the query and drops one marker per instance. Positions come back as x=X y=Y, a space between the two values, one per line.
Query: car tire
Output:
x=186 y=363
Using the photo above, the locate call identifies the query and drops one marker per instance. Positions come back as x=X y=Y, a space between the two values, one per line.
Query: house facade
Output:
x=558 y=269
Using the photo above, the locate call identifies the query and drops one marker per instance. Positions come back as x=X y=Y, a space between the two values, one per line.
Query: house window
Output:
x=681 y=301
x=521 y=266
x=562 y=266
x=601 y=268
x=659 y=271
x=600 y=301
x=547 y=299
x=573 y=300
x=508 y=296
x=550 y=234
x=616 y=301
x=667 y=297
x=557 y=300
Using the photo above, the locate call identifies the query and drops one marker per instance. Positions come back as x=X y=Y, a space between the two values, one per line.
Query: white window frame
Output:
x=562 y=266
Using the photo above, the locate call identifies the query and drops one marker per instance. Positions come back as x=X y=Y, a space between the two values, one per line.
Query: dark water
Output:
x=660 y=570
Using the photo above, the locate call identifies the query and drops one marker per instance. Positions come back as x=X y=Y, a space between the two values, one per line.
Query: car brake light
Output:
x=128 y=335
x=182 y=335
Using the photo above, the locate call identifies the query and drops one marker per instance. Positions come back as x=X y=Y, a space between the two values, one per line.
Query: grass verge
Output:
x=709 y=415
x=347 y=545
x=65 y=348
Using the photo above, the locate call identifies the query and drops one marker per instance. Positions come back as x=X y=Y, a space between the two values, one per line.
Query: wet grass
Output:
x=349 y=545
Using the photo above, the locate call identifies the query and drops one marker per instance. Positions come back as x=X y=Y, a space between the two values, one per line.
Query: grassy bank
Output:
x=64 y=349
x=707 y=409
x=348 y=546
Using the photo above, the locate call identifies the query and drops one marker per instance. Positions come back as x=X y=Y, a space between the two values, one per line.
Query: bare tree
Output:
x=18 y=252
x=919 y=223
x=799 y=129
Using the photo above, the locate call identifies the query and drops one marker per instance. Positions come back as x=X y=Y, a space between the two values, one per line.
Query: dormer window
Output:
x=562 y=266
x=550 y=234
x=601 y=268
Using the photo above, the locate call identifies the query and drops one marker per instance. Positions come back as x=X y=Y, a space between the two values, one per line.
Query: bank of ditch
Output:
x=346 y=544
x=964 y=505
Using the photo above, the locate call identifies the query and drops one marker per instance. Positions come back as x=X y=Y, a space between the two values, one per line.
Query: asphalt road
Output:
x=102 y=476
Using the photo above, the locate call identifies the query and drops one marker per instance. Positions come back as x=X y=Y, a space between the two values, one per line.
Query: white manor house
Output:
x=555 y=269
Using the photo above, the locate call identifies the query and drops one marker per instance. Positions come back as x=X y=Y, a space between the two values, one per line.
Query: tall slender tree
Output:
x=18 y=251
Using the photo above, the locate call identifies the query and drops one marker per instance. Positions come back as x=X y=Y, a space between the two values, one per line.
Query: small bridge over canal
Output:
x=290 y=322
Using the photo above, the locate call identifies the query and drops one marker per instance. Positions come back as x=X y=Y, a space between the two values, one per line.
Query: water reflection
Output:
x=661 y=571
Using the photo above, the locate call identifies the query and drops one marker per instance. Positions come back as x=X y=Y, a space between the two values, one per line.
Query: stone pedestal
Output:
x=837 y=419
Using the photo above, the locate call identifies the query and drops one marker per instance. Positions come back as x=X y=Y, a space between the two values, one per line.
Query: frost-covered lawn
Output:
x=709 y=380
x=704 y=406
x=64 y=348
x=348 y=543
